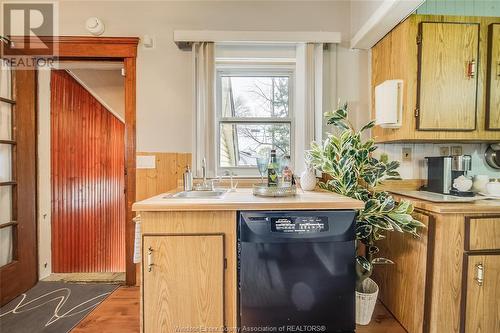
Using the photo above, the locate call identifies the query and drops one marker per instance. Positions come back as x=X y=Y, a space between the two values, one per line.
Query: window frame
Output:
x=255 y=69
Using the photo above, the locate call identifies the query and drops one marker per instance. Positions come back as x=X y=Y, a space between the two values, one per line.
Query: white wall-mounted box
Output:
x=389 y=104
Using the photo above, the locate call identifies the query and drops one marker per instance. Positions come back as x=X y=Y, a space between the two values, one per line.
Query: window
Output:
x=254 y=97
x=254 y=114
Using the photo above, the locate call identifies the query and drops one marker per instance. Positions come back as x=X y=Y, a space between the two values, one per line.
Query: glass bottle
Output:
x=272 y=174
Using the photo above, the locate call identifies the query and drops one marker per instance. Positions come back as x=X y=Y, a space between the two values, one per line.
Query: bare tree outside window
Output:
x=255 y=113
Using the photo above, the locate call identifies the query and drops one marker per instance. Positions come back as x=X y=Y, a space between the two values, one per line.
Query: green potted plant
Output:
x=351 y=169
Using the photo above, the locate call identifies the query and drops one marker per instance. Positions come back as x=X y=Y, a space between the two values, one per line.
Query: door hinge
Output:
x=419 y=39
x=225 y=263
x=124 y=72
x=417 y=112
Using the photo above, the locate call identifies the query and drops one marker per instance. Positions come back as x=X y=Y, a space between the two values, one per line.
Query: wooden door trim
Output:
x=419 y=74
x=78 y=46
x=222 y=235
x=102 y=48
x=489 y=64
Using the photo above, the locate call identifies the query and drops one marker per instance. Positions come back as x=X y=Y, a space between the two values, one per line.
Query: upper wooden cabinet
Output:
x=493 y=88
x=447 y=82
x=442 y=62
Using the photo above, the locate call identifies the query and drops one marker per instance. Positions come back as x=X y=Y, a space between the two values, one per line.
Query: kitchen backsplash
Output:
x=417 y=167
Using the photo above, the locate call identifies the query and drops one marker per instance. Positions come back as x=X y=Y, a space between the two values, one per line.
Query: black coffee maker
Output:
x=442 y=170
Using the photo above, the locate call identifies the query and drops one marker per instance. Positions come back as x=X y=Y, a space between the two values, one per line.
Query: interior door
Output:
x=483 y=294
x=493 y=88
x=18 y=246
x=183 y=282
x=448 y=71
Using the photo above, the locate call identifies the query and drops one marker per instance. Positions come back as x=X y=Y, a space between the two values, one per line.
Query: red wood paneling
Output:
x=88 y=200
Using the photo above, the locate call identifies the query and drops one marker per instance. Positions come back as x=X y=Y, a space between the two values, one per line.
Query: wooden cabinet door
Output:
x=403 y=284
x=183 y=287
x=483 y=297
x=493 y=82
x=447 y=83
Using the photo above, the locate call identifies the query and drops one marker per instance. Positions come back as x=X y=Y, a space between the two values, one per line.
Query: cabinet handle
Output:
x=498 y=70
x=479 y=274
x=150 y=259
x=471 y=69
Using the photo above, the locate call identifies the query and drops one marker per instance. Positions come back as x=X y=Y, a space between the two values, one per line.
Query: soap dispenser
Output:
x=188 y=179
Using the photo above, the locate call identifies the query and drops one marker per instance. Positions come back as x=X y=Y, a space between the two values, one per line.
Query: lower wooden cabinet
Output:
x=183 y=282
x=448 y=280
x=404 y=282
x=189 y=272
x=482 y=303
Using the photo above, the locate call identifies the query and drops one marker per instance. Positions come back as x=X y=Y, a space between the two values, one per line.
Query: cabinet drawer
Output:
x=483 y=233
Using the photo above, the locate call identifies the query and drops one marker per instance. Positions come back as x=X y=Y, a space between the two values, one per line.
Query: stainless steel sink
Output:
x=216 y=194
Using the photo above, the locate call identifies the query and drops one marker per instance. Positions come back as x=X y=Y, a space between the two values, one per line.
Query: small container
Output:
x=480 y=182
x=493 y=188
x=188 y=179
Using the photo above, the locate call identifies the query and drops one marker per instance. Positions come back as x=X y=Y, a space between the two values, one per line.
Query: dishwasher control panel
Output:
x=299 y=224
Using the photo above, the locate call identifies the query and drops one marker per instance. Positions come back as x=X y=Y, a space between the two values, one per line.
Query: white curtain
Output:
x=309 y=99
x=204 y=105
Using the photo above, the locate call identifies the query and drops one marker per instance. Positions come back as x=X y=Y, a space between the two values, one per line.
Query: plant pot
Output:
x=365 y=302
x=308 y=179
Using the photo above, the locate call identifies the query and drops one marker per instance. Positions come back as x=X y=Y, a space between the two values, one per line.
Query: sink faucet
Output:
x=204 y=170
x=230 y=174
x=206 y=185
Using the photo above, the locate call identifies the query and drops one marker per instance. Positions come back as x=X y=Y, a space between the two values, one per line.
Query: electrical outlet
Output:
x=444 y=151
x=406 y=154
x=456 y=150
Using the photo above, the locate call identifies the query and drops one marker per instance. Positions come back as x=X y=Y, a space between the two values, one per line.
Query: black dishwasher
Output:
x=296 y=271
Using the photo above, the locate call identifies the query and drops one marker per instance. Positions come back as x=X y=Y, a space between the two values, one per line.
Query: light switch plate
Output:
x=444 y=151
x=406 y=154
x=456 y=150
x=146 y=162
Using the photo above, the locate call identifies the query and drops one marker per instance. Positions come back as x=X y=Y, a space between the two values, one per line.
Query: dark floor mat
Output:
x=52 y=307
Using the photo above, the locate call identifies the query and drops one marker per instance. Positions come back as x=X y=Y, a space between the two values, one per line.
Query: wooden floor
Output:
x=120 y=313
x=104 y=277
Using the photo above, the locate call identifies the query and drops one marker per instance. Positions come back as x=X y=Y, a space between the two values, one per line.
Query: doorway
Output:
x=74 y=48
x=87 y=170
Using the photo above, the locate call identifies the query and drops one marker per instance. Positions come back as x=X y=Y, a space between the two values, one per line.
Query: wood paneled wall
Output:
x=164 y=177
x=87 y=171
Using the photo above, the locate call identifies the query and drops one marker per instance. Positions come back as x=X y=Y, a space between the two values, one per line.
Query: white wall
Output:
x=164 y=91
x=106 y=86
x=44 y=183
x=361 y=11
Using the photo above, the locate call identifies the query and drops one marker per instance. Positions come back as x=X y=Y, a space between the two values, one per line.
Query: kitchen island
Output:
x=189 y=255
